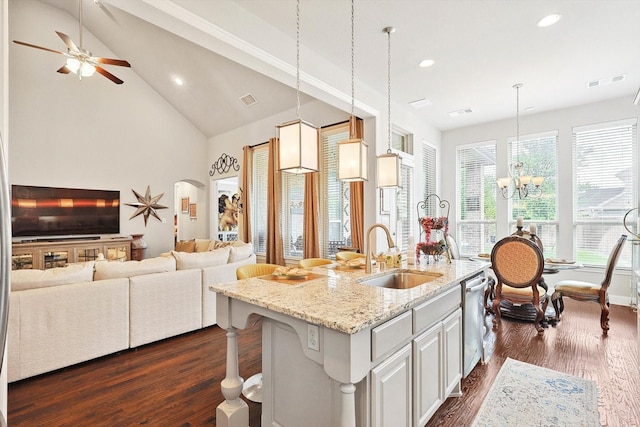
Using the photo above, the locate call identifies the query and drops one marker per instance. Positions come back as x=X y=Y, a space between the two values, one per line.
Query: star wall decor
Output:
x=146 y=205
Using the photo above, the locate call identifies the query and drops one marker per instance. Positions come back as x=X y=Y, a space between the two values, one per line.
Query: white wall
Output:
x=4 y=128
x=93 y=133
x=563 y=121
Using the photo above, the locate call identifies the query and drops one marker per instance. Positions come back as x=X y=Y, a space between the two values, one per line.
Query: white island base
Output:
x=396 y=372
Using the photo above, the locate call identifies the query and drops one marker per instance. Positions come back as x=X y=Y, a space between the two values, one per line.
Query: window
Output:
x=429 y=169
x=259 y=192
x=401 y=141
x=538 y=153
x=605 y=187
x=476 y=198
x=292 y=215
x=335 y=226
x=405 y=205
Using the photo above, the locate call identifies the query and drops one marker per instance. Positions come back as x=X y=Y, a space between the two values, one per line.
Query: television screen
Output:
x=49 y=211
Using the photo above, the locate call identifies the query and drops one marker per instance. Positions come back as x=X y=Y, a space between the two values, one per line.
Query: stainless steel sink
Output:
x=401 y=279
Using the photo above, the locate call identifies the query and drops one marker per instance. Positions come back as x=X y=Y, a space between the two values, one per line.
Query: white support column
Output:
x=348 y=405
x=233 y=412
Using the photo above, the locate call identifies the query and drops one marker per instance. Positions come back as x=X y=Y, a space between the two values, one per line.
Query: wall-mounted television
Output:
x=51 y=211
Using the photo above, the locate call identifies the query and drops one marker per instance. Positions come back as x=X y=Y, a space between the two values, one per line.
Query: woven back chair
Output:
x=254 y=270
x=518 y=264
x=313 y=262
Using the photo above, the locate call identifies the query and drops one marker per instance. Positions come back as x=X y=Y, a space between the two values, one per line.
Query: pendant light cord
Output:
x=80 y=21
x=389 y=30
x=352 y=131
x=298 y=60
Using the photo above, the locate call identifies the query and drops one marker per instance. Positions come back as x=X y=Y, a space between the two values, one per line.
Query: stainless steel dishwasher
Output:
x=473 y=325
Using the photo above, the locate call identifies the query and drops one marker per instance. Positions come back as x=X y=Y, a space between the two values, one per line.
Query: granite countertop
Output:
x=335 y=299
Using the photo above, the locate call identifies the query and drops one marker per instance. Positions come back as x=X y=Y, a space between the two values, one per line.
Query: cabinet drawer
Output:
x=390 y=335
x=429 y=312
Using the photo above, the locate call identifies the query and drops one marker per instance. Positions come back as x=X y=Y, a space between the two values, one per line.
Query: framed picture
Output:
x=192 y=210
x=185 y=204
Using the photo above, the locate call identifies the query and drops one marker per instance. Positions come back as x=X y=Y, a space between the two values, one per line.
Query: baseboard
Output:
x=620 y=300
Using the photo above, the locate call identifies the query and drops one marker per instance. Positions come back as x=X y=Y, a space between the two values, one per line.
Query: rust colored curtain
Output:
x=275 y=247
x=356 y=191
x=311 y=248
x=245 y=215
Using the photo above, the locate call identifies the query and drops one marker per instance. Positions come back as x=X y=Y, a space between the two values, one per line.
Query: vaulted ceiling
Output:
x=481 y=48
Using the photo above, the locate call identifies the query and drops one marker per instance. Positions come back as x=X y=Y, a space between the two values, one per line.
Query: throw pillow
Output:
x=115 y=269
x=202 y=245
x=186 y=246
x=240 y=250
x=217 y=244
x=72 y=273
x=186 y=261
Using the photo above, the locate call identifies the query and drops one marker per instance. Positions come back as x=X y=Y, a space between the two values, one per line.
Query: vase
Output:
x=138 y=247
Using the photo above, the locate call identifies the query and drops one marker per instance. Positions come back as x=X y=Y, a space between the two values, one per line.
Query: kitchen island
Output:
x=340 y=352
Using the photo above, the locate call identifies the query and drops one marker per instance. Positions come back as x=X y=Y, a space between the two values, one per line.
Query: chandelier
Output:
x=519 y=181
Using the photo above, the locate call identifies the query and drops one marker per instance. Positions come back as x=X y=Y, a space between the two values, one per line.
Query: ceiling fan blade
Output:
x=108 y=75
x=38 y=47
x=67 y=40
x=120 y=62
x=64 y=70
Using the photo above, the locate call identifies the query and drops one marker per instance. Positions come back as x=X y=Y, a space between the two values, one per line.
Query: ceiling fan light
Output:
x=87 y=70
x=73 y=64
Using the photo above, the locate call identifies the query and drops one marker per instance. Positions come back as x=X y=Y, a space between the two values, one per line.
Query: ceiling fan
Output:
x=79 y=60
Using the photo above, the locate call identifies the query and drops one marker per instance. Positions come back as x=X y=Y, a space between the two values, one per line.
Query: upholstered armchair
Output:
x=586 y=291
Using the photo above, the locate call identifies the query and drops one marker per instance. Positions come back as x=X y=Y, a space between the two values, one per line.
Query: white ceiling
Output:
x=481 y=48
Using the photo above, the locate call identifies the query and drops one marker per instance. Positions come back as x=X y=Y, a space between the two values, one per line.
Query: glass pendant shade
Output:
x=298 y=150
x=388 y=170
x=352 y=160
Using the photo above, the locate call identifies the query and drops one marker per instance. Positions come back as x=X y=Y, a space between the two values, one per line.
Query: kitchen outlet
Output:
x=313 y=340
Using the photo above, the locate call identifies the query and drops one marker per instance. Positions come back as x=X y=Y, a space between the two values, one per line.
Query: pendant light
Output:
x=389 y=163
x=518 y=180
x=352 y=152
x=298 y=147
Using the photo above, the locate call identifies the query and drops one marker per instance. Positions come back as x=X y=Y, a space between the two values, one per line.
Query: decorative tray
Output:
x=290 y=276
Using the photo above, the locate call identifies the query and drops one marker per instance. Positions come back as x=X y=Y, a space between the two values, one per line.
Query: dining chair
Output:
x=254 y=270
x=518 y=264
x=346 y=256
x=313 y=262
x=587 y=291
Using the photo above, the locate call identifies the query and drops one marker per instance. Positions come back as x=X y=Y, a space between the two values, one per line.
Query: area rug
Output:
x=528 y=395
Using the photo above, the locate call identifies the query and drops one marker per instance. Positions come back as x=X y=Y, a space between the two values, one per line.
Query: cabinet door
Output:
x=391 y=397
x=116 y=252
x=428 y=390
x=23 y=260
x=453 y=352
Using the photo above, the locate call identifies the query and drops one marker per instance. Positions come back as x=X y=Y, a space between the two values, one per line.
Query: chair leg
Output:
x=540 y=314
x=558 y=304
x=496 y=307
x=604 y=317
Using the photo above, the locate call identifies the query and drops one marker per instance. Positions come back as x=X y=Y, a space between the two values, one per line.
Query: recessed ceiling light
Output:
x=459 y=113
x=426 y=63
x=549 y=20
x=178 y=81
x=419 y=103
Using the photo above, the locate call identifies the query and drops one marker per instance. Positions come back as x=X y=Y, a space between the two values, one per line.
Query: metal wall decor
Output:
x=146 y=205
x=224 y=164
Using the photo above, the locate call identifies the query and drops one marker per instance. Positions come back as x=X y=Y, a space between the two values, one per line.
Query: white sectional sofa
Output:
x=63 y=316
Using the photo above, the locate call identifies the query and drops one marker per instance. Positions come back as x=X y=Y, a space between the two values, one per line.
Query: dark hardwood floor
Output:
x=176 y=382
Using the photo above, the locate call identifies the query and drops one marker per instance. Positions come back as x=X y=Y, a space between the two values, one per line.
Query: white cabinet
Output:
x=437 y=357
x=391 y=390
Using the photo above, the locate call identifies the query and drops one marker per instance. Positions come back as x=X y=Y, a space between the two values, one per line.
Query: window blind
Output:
x=334 y=194
x=405 y=206
x=605 y=187
x=429 y=172
x=292 y=214
x=259 y=194
x=538 y=153
x=476 y=197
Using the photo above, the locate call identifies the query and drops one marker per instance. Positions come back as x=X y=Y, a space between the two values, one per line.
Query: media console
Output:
x=50 y=253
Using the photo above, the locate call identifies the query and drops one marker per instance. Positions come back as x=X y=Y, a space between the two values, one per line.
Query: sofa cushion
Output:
x=186 y=261
x=186 y=245
x=240 y=250
x=72 y=273
x=202 y=245
x=114 y=269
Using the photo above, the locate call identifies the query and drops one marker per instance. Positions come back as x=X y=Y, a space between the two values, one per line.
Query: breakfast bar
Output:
x=339 y=349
